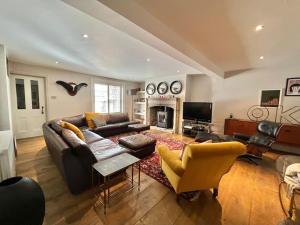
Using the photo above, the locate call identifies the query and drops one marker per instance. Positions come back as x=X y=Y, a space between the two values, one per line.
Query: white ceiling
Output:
x=223 y=31
x=43 y=32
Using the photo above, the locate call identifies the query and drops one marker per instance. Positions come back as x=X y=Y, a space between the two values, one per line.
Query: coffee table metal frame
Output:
x=99 y=167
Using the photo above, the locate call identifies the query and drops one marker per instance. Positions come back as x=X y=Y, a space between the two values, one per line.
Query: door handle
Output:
x=42 y=109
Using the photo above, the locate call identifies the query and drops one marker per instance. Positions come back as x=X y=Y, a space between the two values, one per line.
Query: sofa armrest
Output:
x=171 y=158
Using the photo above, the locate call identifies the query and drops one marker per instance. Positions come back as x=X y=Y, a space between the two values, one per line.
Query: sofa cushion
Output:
x=78 y=121
x=117 y=118
x=73 y=128
x=105 y=148
x=91 y=137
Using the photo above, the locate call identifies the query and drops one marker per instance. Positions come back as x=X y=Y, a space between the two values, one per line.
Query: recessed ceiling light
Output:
x=148 y=59
x=178 y=71
x=261 y=57
x=259 y=27
x=56 y=62
x=85 y=35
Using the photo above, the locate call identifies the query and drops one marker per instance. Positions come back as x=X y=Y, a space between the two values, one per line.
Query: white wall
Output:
x=59 y=102
x=5 y=107
x=199 y=88
x=236 y=94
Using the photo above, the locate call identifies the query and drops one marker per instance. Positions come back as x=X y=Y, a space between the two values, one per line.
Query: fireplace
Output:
x=165 y=118
x=163 y=113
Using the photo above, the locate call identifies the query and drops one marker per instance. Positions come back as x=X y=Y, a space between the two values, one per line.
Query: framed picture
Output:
x=176 y=87
x=150 y=89
x=270 y=98
x=292 y=87
x=162 y=88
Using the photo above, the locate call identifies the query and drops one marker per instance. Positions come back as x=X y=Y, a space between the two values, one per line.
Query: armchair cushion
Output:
x=171 y=158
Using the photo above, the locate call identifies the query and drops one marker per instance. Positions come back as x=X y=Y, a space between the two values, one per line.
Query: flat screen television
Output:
x=200 y=111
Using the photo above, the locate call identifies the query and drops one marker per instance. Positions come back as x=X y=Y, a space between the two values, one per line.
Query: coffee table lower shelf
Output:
x=128 y=183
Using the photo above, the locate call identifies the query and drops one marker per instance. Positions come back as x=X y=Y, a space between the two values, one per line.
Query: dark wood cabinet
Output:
x=239 y=126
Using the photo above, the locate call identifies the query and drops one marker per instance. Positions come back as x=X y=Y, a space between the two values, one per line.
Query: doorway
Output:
x=28 y=105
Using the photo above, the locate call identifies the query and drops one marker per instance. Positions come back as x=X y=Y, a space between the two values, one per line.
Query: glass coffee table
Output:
x=110 y=167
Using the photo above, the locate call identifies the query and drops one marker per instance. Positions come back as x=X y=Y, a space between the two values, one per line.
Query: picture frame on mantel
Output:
x=270 y=98
x=292 y=87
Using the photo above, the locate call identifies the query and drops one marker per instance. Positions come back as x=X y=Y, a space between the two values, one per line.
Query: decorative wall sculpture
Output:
x=258 y=113
x=71 y=87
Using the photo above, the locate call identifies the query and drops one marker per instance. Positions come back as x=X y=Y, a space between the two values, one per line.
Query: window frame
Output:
x=108 y=96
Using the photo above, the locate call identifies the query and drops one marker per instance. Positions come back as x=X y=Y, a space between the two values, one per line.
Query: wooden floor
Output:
x=248 y=194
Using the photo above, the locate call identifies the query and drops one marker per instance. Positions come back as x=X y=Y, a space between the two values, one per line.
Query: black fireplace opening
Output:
x=165 y=118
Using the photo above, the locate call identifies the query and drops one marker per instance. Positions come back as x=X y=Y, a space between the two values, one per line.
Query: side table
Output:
x=109 y=167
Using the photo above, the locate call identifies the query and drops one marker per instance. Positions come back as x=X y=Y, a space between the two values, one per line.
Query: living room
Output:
x=149 y=112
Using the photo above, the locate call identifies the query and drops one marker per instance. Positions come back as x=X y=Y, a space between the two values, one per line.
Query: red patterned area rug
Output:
x=151 y=164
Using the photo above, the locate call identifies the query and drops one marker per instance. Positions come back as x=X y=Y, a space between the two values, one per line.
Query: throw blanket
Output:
x=292 y=177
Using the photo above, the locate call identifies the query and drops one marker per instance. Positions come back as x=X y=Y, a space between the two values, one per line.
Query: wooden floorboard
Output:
x=248 y=195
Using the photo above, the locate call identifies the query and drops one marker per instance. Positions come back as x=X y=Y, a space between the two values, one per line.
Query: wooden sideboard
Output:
x=288 y=134
x=239 y=126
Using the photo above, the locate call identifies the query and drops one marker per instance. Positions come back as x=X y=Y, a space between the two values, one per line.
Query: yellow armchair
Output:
x=202 y=165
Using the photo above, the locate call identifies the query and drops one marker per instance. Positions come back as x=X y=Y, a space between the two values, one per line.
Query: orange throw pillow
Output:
x=73 y=128
x=89 y=118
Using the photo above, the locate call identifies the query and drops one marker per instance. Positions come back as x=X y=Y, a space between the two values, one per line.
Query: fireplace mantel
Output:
x=171 y=102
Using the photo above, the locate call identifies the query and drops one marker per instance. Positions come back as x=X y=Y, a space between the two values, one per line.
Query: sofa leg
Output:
x=215 y=192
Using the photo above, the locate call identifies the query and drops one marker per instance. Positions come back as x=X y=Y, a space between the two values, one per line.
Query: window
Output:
x=20 y=89
x=108 y=98
x=35 y=94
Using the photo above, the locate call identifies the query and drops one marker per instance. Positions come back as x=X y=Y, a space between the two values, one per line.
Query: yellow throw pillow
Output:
x=73 y=128
x=89 y=118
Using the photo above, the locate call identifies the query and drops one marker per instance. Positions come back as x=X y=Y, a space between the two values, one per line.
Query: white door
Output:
x=28 y=105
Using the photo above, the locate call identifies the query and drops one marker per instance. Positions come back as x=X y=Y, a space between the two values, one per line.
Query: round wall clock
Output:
x=162 y=88
x=150 y=89
x=176 y=87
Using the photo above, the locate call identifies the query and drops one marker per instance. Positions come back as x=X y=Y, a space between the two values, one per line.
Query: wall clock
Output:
x=162 y=88
x=176 y=87
x=150 y=89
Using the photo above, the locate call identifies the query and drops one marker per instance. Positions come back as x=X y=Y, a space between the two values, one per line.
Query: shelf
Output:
x=139 y=113
x=141 y=92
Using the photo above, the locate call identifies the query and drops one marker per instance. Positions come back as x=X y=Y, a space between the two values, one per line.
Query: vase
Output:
x=22 y=202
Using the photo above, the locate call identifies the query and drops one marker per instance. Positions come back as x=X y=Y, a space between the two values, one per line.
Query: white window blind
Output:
x=108 y=98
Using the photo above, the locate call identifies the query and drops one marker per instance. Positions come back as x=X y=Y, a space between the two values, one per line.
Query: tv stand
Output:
x=190 y=128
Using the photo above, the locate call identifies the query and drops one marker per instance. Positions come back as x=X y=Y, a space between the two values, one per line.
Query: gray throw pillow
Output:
x=98 y=122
